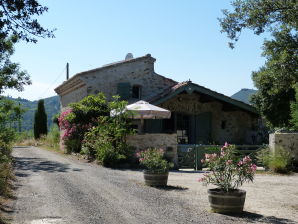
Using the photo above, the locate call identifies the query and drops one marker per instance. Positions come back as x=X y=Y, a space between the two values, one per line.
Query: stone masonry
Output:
x=138 y=71
x=239 y=124
x=167 y=142
x=288 y=141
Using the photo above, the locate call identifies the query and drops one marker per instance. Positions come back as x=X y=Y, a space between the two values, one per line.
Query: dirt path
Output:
x=52 y=188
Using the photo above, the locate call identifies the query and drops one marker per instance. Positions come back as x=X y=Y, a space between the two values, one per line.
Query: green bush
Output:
x=278 y=162
x=52 y=139
x=6 y=137
x=153 y=160
x=107 y=141
x=79 y=118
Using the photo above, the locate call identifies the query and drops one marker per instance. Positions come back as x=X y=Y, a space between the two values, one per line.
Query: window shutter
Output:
x=124 y=90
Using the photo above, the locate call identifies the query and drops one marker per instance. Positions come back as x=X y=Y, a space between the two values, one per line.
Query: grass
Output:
x=51 y=141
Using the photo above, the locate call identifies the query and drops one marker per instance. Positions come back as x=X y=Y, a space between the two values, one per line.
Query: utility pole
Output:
x=67 y=71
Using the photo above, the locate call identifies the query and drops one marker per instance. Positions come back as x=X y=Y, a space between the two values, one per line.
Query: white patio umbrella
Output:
x=144 y=110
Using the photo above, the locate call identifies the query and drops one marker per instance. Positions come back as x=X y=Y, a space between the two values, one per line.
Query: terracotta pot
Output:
x=226 y=202
x=155 y=179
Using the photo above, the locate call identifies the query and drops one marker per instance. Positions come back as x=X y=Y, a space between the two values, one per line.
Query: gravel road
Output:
x=54 y=188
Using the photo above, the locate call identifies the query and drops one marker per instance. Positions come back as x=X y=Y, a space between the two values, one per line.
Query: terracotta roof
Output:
x=170 y=92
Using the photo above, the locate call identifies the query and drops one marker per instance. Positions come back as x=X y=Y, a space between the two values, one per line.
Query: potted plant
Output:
x=156 y=167
x=228 y=172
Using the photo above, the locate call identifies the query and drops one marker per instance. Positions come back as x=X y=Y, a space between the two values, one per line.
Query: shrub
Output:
x=79 y=118
x=153 y=160
x=278 y=161
x=6 y=138
x=107 y=141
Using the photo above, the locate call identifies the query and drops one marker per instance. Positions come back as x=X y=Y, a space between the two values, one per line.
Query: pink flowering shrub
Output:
x=153 y=160
x=227 y=170
x=80 y=118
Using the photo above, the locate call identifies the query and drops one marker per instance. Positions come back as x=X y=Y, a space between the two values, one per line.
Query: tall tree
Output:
x=276 y=79
x=40 y=120
x=18 y=22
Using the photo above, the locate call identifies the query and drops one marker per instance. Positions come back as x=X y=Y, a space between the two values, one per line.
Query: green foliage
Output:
x=275 y=80
x=53 y=137
x=278 y=161
x=107 y=140
x=52 y=107
x=19 y=18
x=40 y=120
x=11 y=77
x=9 y=112
x=259 y=16
x=153 y=160
x=294 y=111
x=79 y=118
x=88 y=109
x=228 y=171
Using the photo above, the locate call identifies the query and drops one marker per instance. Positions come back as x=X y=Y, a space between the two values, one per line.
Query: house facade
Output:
x=199 y=115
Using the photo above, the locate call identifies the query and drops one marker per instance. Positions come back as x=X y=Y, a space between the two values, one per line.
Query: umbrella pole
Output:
x=142 y=126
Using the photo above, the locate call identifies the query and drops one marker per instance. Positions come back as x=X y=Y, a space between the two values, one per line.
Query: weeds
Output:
x=278 y=161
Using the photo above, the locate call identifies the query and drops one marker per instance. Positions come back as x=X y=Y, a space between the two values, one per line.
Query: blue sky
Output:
x=183 y=36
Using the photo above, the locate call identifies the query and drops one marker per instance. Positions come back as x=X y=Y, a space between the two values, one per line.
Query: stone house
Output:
x=199 y=115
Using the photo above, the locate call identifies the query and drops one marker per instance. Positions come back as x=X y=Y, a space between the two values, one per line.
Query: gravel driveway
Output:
x=53 y=188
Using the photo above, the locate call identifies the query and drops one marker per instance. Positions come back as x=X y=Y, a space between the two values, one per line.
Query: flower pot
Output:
x=226 y=202
x=155 y=179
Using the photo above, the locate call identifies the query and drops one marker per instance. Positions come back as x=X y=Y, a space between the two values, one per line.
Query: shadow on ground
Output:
x=254 y=217
x=172 y=188
x=22 y=164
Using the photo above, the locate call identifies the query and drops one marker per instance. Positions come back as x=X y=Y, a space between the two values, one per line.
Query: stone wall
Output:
x=167 y=142
x=288 y=141
x=73 y=96
x=239 y=125
x=139 y=71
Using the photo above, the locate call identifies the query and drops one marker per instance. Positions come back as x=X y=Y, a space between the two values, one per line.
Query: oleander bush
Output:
x=79 y=118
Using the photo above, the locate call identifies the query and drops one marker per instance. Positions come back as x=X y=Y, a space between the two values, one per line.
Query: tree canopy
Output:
x=18 y=18
x=11 y=76
x=18 y=22
x=276 y=79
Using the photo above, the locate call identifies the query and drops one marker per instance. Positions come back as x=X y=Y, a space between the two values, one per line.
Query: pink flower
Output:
x=253 y=167
x=201 y=179
x=202 y=161
x=229 y=162
x=222 y=153
x=246 y=159
x=240 y=163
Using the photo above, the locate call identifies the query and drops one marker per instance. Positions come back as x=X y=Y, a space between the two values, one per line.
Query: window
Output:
x=123 y=90
x=136 y=92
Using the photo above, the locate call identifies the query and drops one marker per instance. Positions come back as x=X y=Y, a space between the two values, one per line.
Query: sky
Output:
x=183 y=36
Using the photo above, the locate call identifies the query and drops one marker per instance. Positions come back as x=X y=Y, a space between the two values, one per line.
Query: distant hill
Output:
x=244 y=95
x=52 y=107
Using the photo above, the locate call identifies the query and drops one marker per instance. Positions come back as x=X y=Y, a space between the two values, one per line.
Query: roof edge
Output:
x=107 y=66
x=189 y=86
